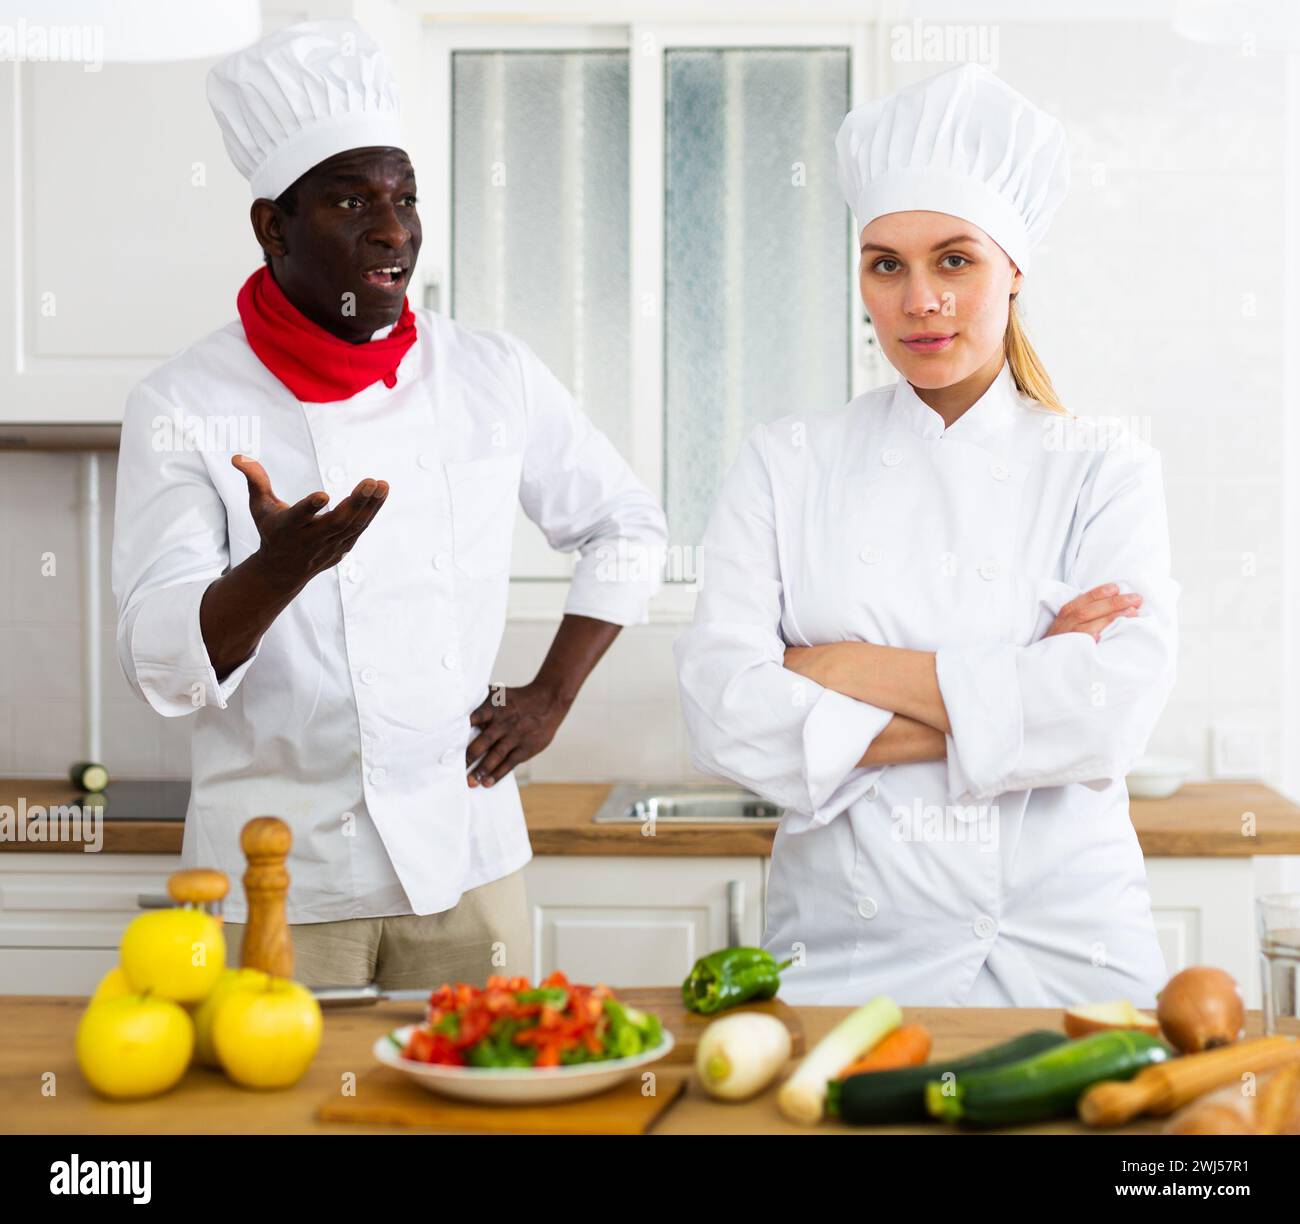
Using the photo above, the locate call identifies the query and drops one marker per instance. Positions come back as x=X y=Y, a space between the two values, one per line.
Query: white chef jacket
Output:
x=1009 y=873
x=351 y=718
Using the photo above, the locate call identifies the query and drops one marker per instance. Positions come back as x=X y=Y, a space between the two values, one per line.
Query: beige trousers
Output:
x=487 y=932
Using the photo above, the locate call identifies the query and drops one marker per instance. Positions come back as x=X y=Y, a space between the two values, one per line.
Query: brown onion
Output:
x=1201 y=1008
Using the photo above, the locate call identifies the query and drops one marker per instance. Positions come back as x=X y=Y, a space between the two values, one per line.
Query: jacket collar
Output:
x=986 y=417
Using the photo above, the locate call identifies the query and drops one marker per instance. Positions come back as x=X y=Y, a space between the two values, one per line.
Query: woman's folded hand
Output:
x=1092 y=611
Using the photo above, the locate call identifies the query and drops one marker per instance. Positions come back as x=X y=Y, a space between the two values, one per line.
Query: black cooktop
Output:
x=145 y=800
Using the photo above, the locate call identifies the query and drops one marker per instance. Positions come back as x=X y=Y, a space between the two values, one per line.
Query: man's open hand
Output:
x=297 y=542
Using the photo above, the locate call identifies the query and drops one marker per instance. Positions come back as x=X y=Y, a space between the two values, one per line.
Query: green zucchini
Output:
x=899 y=1095
x=1046 y=1085
x=88 y=776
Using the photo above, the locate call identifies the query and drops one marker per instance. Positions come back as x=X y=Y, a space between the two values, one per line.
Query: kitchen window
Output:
x=655 y=210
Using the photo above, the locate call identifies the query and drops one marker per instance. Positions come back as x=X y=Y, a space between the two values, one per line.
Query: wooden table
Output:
x=38 y=1041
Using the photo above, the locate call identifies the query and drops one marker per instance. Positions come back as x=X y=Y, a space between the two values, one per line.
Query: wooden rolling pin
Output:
x=268 y=944
x=1162 y=1088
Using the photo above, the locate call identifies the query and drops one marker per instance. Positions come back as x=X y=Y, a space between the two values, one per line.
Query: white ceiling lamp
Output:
x=126 y=31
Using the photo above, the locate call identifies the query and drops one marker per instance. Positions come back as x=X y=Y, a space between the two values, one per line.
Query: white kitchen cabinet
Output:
x=636 y=920
x=624 y=921
x=628 y=920
x=1204 y=910
x=125 y=238
x=62 y=916
x=124 y=228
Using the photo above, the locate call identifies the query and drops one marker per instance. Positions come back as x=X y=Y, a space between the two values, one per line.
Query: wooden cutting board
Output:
x=686 y=1027
x=385 y=1097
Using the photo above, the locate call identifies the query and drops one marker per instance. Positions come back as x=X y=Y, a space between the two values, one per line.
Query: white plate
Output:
x=516 y=1085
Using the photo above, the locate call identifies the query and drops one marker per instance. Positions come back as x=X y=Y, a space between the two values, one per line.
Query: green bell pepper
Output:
x=733 y=975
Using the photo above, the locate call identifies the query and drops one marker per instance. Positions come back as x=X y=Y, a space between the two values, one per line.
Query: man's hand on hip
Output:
x=513 y=725
x=517 y=723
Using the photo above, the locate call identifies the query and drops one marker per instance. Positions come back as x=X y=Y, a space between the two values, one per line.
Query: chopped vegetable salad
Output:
x=511 y=1023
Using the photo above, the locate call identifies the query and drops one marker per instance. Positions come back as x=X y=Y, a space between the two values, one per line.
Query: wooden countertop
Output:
x=39 y=1033
x=1203 y=819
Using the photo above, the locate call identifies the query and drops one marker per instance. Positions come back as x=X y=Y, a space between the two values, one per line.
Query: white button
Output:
x=999 y=470
x=891 y=456
x=867 y=907
x=440 y=561
x=451 y=660
x=451 y=756
x=871 y=791
x=379 y=775
x=369 y=675
x=990 y=570
x=425 y=460
x=870 y=554
x=985 y=926
x=335 y=474
x=353 y=571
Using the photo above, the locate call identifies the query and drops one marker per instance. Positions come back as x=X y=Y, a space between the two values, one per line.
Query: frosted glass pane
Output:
x=540 y=214
x=758 y=268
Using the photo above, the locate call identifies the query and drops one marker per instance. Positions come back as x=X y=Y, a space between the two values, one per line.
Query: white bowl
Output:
x=1156 y=777
x=516 y=1085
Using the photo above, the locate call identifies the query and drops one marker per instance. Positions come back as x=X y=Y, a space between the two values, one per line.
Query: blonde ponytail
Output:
x=1028 y=371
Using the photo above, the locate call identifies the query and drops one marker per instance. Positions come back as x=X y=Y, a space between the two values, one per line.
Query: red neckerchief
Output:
x=315 y=365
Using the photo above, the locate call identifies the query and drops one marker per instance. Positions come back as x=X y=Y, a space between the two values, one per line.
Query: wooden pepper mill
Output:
x=267 y=943
x=199 y=888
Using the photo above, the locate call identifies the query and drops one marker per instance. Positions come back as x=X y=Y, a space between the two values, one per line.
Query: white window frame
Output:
x=543 y=598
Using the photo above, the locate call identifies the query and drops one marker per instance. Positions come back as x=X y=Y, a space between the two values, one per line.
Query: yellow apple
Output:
x=230 y=982
x=113 y=985
x=134 y=1045
x=176 y=953
x=267 y=1038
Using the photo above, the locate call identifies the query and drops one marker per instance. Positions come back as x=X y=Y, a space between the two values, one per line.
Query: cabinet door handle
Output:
x=735 y=912
x=153 y=901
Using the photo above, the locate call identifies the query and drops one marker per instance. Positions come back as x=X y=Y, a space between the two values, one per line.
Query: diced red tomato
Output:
x=549 y=1030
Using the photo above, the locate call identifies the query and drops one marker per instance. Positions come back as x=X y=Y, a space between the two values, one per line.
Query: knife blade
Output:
x=367 y=995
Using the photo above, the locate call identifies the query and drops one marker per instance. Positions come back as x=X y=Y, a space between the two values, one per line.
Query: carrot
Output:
x=907 y=1046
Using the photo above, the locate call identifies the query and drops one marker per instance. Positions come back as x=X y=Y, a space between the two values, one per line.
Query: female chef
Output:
x=937 y=624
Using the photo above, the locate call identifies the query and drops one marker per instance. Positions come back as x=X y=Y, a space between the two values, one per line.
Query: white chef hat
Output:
x=298 y=97
x=962 y=142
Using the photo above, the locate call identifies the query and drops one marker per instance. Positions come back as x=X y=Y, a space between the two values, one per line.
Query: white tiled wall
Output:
x=1159 y=294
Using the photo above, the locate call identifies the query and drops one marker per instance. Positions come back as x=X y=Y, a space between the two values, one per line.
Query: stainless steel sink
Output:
x=629 y=803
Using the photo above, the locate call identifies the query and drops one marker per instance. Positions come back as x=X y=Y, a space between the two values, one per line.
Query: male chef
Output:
x=326 y=603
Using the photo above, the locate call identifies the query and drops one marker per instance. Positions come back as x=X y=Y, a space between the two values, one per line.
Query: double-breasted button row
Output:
x=337 y=474
x=983 y=926
x=988 y=570
x=892 y=456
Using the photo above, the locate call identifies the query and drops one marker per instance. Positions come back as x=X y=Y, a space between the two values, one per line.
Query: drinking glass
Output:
x=1278 y=919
